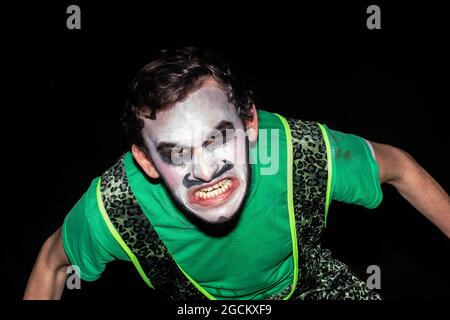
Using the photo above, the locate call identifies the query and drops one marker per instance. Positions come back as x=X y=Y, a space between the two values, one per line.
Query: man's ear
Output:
x=252 y=126
x=144 y=162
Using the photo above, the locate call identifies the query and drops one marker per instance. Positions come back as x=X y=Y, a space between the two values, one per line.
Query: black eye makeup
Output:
x=173 y=154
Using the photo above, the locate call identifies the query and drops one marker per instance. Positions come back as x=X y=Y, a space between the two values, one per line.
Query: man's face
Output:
x=199 y=148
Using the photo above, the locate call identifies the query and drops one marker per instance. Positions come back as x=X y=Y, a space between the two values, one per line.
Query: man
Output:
x=217 y=200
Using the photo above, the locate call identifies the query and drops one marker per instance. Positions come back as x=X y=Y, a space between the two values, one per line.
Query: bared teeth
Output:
x=215 y=190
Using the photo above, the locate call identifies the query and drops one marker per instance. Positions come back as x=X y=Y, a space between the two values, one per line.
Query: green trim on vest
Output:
x=290 y=200
x=119 y=239
x=199 y=287
x=330 y=171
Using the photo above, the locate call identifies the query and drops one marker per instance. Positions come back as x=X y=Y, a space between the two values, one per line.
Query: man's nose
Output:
x=205 y=167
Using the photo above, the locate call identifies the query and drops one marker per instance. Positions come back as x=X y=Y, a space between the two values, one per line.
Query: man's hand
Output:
x=415 y=184
x=48 y=277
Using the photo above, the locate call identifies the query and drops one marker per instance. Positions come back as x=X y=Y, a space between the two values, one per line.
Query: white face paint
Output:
x=205 y=173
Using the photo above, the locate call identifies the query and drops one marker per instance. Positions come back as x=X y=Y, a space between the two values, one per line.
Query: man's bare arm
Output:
x=48 y=278
x=415 y=184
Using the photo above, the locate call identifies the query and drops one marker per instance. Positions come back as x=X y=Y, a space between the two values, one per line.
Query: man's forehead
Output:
x=191 y=118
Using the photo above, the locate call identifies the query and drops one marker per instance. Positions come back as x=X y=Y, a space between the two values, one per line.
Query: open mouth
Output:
x=214 y=194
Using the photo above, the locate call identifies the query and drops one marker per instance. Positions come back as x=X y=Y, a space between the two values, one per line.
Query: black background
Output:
x=311 y=62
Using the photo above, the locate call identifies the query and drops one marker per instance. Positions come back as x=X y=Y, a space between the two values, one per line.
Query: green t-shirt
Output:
x=89 y=244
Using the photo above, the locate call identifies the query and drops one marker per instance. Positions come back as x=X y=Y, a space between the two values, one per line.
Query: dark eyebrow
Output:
x=224 y=125
x=163 y=146
x=221 y=127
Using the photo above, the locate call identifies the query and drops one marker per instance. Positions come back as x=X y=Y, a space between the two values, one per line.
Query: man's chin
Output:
x=217 y=227
x=221 y=219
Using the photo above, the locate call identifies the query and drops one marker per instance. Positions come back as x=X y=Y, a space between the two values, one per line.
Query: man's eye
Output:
x=180 y=155
x=176 y=156
x=211 y=140
x=216 y=140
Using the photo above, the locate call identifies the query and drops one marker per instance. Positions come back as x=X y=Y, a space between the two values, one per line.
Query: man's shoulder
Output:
x=296 y=124
x=114 y=180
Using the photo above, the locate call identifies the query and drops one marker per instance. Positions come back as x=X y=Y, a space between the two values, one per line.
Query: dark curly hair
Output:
x=170 y=77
